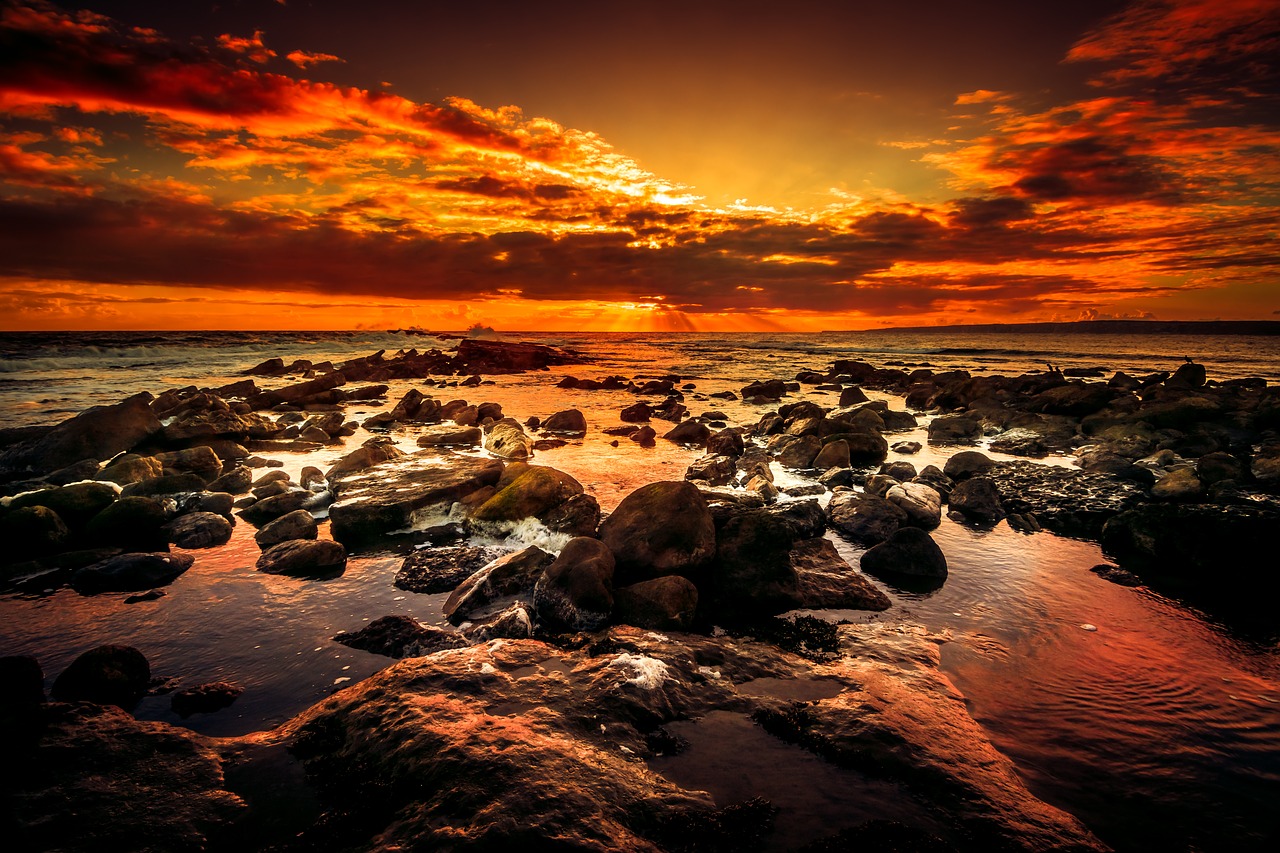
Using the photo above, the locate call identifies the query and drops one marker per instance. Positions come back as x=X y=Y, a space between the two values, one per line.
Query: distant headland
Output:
x=1111 y=327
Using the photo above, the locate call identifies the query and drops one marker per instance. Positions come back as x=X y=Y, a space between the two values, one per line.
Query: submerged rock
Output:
x=205 y=698
x=130 y=573
x=107 y=675
x=400 y=637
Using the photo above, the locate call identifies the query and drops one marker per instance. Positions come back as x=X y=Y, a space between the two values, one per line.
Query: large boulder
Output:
x=387 y=497
x=506 y=439
x=922 y=503
x=32 y=531
x=667 y=603
x=865 y=448
x=97 y=433
x=130 y=573
x=977 y=498
x=509 y=575
x=199 y=530
x=575 y=592
x=660 y=529
x=533 y=492
x=75 y=504
x=863 y=518
x=968 y=463
x=132 y=522
x=569 y=421
x=303 y=557
x=910 y=552
x=131 y=468
x=299 y=524
x=1212 y=543
x=107 y=675
x=954 y=429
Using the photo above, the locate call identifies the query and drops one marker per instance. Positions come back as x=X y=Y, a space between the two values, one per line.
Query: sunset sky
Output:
x=317 y=164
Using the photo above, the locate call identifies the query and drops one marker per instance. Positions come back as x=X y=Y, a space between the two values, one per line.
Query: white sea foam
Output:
x=646 y=673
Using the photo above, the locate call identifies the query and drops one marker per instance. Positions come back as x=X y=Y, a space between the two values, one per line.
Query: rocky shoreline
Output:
x=541 y=716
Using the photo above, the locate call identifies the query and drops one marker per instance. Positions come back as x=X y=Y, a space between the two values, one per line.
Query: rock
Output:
x=851 y=396
x=1180 y=484
x=303 y=557
x=770 y=389
x=907 y=447
x=130 y=573
x=299 y=524
x=1189 y=375
x=205 y=698
x=637 y=413
x=865 y=519
x=485 y=356
x=107 y=675
x=575 y=592
x=1215 y=545
x=834 y=454
x=21 y=684
x=799 y=453
x=712 y=470
x=298 y=393
x=506 y=439
x=901 y=470
x=508 y=575
x=199 y=530
x=1216 y=467
x=977 y=498
x=568 y=421
x=866 y=449
x=1064 y=500
x=401 y=637
x=436 y=570
x=131 y=468
x=968 y=463
x=514 y=623
x=824 y=581
x=371 y=453
x=533 y=493
x=1075 y=398
x=451 y=437
x=1116 y=575
x=32 y=531
x=578 y=516
x=387 y=497
x=97 y=433
x=921 y=503
x=198 y=460
x=909 y=551
x=270 y=508
x=667 y=603
x=660 y=529
x=75 y=504
x=169 y=484
x=235 y=482
x=689 y=432
x=645 y=436
x=954 y=429
x=726 y=442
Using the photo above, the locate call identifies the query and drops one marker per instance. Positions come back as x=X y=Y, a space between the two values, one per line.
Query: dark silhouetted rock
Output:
x=235 y=482
x=511 y=574
x=977 y=498
x=299 y=524
x=270 y=508
x=576 y=591
x=663 y=604
x=401 y=637
x=205 y=698
x=199 y=530
x=107 y=675
x=660 y=529
x=75 y=504
x=130 y=573
x=968 y=463
x=97 y=433
x=32 y=531
x=689 y=432
x=712 y=470
x=436 y=570
x=303 y=557
x=954 y=429
x=864 y=518
x=567 y=421
x=824 y=581
x=909 y=551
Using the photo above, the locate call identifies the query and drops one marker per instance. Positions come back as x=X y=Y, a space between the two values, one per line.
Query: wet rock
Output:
x=506 y=439
x=303 y=557
x=637 y=413
x=435 y=570
x=299 y=524
x=968 y=463
x=205 y=698
x=32 y=531
x=689 y=432
x=824 y=581
x=235 y=482
x=578 y=516
x=798 y=453
x=532 y=491
x=645 y=436
x=977 y=498
x=906 y=447
x=568 y=421
x=130 y=573
x=451 y=437
x=575 y=592
x=954 y=429
x=199 y=460
x=169 y=484
x=901 y=470
x=507 y=575
x=1180 y=484
x=199 y=530
x=379 y=500
x=130 y=468
x=834 y=454
x=270 y=508
x=866 y=449
x=1200 y=541
x=851 y=396
x=97 y=433
x=909 y=551
x=921 y=503
x=1189 y=375
x=1116 y=575
x=107 y=675
x=1075 y=398
x=298 y=393
x=879 y=484
x=371 y=453
x=726 y=442
x=663 y=604
x=485 y=356
x=833 y=477
x=865 y=519
x=660 y=529
x=1064 y=500
x=513 y=623
x=770 y=389
x=75 y=504
x=401 y=637
x=1215 y=467
x=712 y=470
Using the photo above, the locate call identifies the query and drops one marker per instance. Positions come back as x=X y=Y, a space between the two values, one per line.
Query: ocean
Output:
x=1156 y=724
